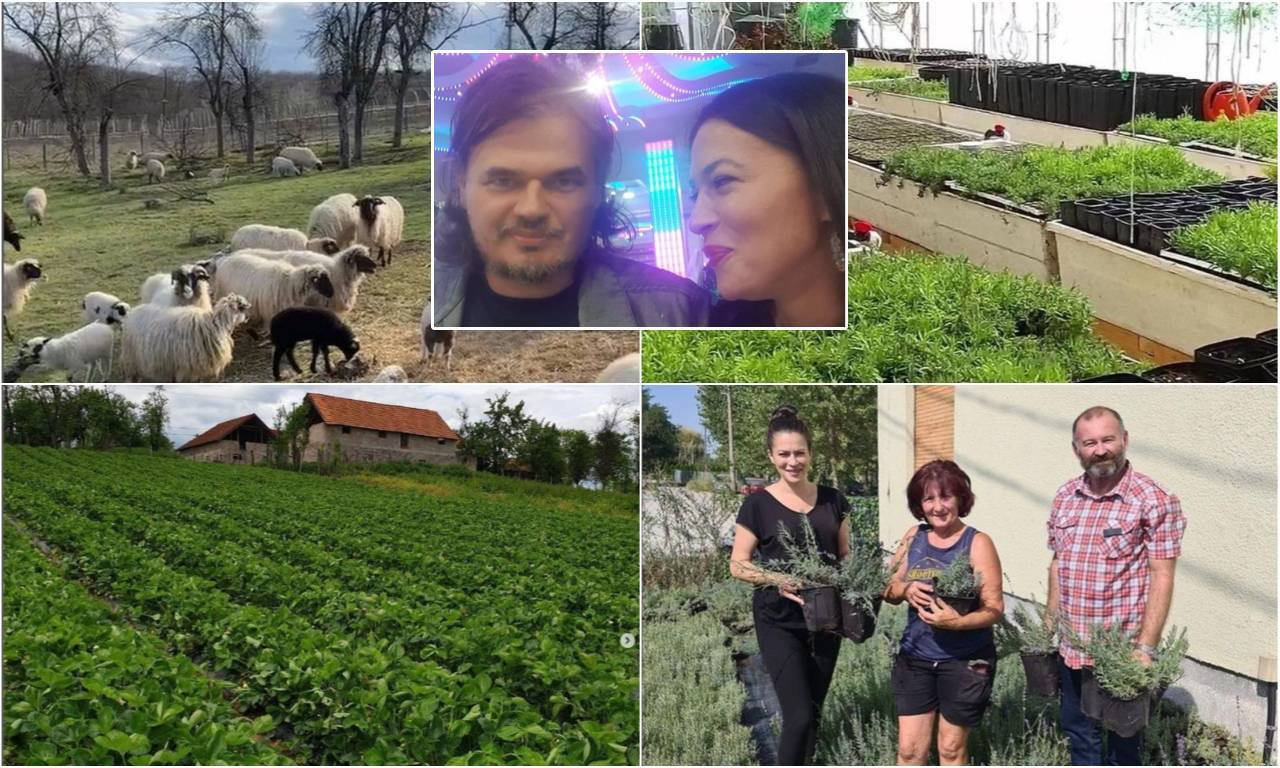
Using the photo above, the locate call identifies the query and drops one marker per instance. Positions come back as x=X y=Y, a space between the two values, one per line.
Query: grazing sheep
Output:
x=37 y=204
x=321 y=327
x=431 y=337
x=283 y=166
x=132 y=162
x=380 y=226
x=392 y=374
x=179 y=344
x=336 y=217
x=270 y=286
x=346 y=271
x=185 y=286
x=11 y=234
x=624 y=370
x=18 y=279
x=303 y=158
x=267 y=237
x=102 y=307
x=219 y=175
x=85 y=349
x=155 y=171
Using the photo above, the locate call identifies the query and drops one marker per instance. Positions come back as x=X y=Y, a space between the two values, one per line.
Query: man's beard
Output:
x=530 y=274
x=1105 y=469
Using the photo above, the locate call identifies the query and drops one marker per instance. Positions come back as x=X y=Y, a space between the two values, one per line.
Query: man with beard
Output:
x=1115 y=535
x=527 y=235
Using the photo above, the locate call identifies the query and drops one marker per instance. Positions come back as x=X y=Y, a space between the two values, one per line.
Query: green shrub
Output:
x=693 y=700
x=1255 y=134
x=907 y=86
x=1045 y=176
x=1240 y=240
x=912 y=317
x=861 y=72
x=958 y=579
x=1026 y=632
x=860 y=576
x=1115 y=668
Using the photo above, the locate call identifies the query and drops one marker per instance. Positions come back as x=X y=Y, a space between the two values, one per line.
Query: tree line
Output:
x=84 y=417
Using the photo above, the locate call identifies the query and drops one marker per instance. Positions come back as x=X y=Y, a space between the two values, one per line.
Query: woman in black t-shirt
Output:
x=800 y=662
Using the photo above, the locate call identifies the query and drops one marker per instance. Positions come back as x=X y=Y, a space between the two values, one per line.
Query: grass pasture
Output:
x=105 y=240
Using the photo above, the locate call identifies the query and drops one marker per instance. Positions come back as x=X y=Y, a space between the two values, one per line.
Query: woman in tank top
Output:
x=946 y=661
x=800 y=662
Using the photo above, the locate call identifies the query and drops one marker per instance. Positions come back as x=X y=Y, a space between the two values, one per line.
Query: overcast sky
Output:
x=196 y=407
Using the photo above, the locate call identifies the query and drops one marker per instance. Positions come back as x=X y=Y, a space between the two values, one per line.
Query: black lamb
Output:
x=322 y=327
x=11 y=234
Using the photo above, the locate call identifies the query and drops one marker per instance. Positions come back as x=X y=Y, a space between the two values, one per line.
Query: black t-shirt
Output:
x=482 y=307
x=742 y=314
x=762 y=514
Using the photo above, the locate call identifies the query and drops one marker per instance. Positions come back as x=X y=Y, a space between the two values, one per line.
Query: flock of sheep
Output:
x=293 y=285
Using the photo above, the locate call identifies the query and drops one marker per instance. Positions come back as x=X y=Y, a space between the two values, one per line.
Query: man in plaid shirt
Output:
x=1116 y=536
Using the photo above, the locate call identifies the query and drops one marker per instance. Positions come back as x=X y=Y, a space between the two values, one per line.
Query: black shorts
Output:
x=960 y=689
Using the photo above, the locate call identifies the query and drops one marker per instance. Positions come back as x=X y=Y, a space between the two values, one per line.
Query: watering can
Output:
x=1226 y=98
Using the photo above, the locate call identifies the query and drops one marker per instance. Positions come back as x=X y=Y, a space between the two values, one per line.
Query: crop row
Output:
x=80 y=687
x=410 y=588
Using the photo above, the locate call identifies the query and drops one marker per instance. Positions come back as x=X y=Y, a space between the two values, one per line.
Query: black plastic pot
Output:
x=1267 y=337
x=1067 y=212
x=1154 y=232
x=1124 y=717
x=1114 y=378
x=1042 y=674
x=1246 y=356
x=821 y=609
x=857 y=620
x=1191 y=373
x=1090 y=695
x=1089 y=215
x=962 y=604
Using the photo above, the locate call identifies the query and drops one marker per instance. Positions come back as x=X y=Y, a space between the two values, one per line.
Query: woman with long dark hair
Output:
x=768 y=187
x=800 y=662
x=946 y=661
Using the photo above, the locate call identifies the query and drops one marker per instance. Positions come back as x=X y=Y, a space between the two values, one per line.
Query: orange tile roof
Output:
x=345 y=412
x=223 y=430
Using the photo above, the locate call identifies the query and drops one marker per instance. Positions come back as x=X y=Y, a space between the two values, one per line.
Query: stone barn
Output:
x=361 y=431
x=242 y=440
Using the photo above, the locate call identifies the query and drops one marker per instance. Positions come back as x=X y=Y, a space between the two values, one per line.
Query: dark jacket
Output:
x=613 y=292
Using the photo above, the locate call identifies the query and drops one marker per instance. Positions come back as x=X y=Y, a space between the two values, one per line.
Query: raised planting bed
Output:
x=874 y=137
x=888 y=71
x=1240 y=241
x=991 y=236
x=912 y=318
x=1254 y=134
x=1100 y=99
x=930 y=90
x=1162 y=300
x=911 y=54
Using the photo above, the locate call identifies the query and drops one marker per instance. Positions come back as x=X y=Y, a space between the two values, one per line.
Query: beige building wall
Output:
x=226 y=451
x=1213 y=446
x=365 y=445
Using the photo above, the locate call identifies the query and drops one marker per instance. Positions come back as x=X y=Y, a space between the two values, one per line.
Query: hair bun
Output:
x=784 y=412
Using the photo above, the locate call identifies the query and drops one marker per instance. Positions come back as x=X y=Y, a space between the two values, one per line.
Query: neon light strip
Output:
x=664 y=200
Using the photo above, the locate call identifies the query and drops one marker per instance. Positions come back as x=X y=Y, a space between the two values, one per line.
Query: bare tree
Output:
x=68 y=38
x=206 y=34
x=595 y=26
x=247 y=50
x=349 y=41
x=411 y=40
x=109 y=80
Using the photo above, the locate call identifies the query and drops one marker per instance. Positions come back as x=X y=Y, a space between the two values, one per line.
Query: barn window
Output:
x=440 y=440
x=382 y=433
x=404 y=440
x=346 y=430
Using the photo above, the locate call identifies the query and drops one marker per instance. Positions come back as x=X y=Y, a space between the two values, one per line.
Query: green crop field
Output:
x=164 y=611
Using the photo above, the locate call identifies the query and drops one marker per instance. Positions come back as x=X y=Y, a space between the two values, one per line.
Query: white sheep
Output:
x=132 y=162
x=303 y=158
x=269 y=285
x=18 y=280
x=283 y=166
x=83 y=350
x=179 y=344
x=102 y=307
x=219 y=175
x=336 y=217
x=155 y=170
x=187 y=285
x=624 y=370
x=267 y=237
x=346 y=271
x=392 y=374
x=37 y=203
x=381 y=225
